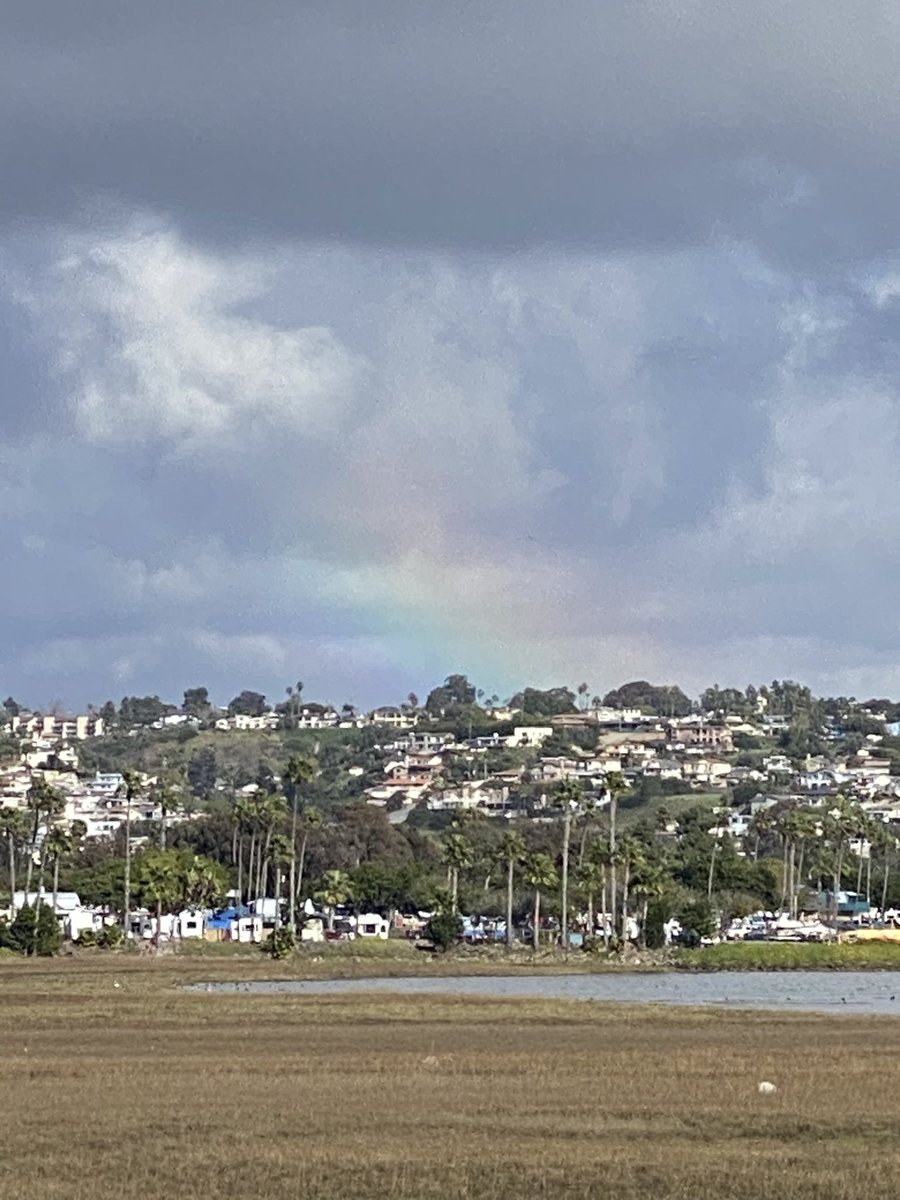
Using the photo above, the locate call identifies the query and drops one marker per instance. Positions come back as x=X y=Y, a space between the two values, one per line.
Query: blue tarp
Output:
x=223 y=919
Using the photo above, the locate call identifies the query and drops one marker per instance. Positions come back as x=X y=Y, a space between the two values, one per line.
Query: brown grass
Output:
x=142 y=1092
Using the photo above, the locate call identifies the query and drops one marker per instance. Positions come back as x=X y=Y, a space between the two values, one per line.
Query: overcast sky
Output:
x=359 y=343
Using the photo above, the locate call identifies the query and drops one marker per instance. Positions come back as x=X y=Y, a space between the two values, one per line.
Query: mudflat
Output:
x=117 y=1083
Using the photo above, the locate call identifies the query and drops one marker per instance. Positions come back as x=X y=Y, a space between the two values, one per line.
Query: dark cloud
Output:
x=363 y=341
x=612 y=126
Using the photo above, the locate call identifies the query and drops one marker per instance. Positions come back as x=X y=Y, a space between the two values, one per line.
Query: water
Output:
x=861 y=992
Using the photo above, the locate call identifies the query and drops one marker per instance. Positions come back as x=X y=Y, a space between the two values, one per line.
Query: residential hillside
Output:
x=765 y=797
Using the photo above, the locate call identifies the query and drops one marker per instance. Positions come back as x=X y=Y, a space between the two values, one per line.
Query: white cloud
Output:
x=151 y=344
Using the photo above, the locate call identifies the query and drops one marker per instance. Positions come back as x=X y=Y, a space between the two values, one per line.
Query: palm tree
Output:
x=242 y=817
x=336 y=888
x=459 y=855
x=131 y=784
x=281 y=854
x=204 y=883
x=591 y=876
x=839 y=825
x=615 y=786
x=161 y=879
x=299 y=770
x=803 y=828
x=512 y=849
x=540 y=874
x=312 y=820
x=164 y=794
x=571 y=797
x=601 y=857
x=762 y=824
x=58 y=843
x=14 y=828
x=44 y=803
x=649 y=884
x=631 y=856
x=269 y=811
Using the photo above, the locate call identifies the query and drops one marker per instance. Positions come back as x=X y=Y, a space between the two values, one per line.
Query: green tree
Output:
x=512 y=852
x=248 y=704
x=650 y=883
x=14 y=826
x=455 y=693
x=553 y=702
x=570 y=798
x=589 y=876
x=298 y=772
x=541 y=875
x=616 y=786
x=132 y=784
x=459 y=855
x=444 y=929
x=32 y=931
x=664 y=701
x=44 y=803
x=196 y=703
x=160 y=883
x=58 y=844
x=335 y=889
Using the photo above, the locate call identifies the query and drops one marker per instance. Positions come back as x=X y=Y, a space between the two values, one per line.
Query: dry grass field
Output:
x=142 y=1091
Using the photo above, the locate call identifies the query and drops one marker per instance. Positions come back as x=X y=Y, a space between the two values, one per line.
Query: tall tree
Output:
x=335 y=889
x=570 y=797
x=57 y=845
x=299 y=771
x=615 y=786
x=44 y=804
x=132 y=783
x=512 y=850
x=14 y=827
x=541 y=875
x=459 y=855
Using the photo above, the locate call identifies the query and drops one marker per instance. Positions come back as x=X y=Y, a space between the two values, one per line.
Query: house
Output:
x=424 y=741
x=530 y=737
x=474 y=795
x=57 y=728
x=712 y=737
x=394 y=718
x=550 y=770
x=705 y=770
x=819 y=781
x=662 y=768
x=778 y=764
x=317 y=718
x=617 y=717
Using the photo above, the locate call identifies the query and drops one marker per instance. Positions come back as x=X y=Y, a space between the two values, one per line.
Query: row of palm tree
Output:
x=597 y=872
x=815 y=843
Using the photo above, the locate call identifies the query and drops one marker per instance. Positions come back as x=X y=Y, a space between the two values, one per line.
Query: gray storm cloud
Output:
x=370 y=341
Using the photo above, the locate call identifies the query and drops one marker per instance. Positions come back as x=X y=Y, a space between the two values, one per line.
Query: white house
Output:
x=529 y=737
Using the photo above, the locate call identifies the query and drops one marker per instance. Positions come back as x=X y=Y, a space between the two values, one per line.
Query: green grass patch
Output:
x=791 y=956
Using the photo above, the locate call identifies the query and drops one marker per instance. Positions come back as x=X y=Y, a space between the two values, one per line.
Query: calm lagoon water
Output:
x=860 y=992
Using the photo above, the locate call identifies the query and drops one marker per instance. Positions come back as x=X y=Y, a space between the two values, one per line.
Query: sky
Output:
x=361 y=343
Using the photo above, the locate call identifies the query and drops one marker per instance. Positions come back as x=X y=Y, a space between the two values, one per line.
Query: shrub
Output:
x=698 y=920
x=87 y=937
x=32 y=931
x=110 y=936
x=280 y=943
x=444 y=929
